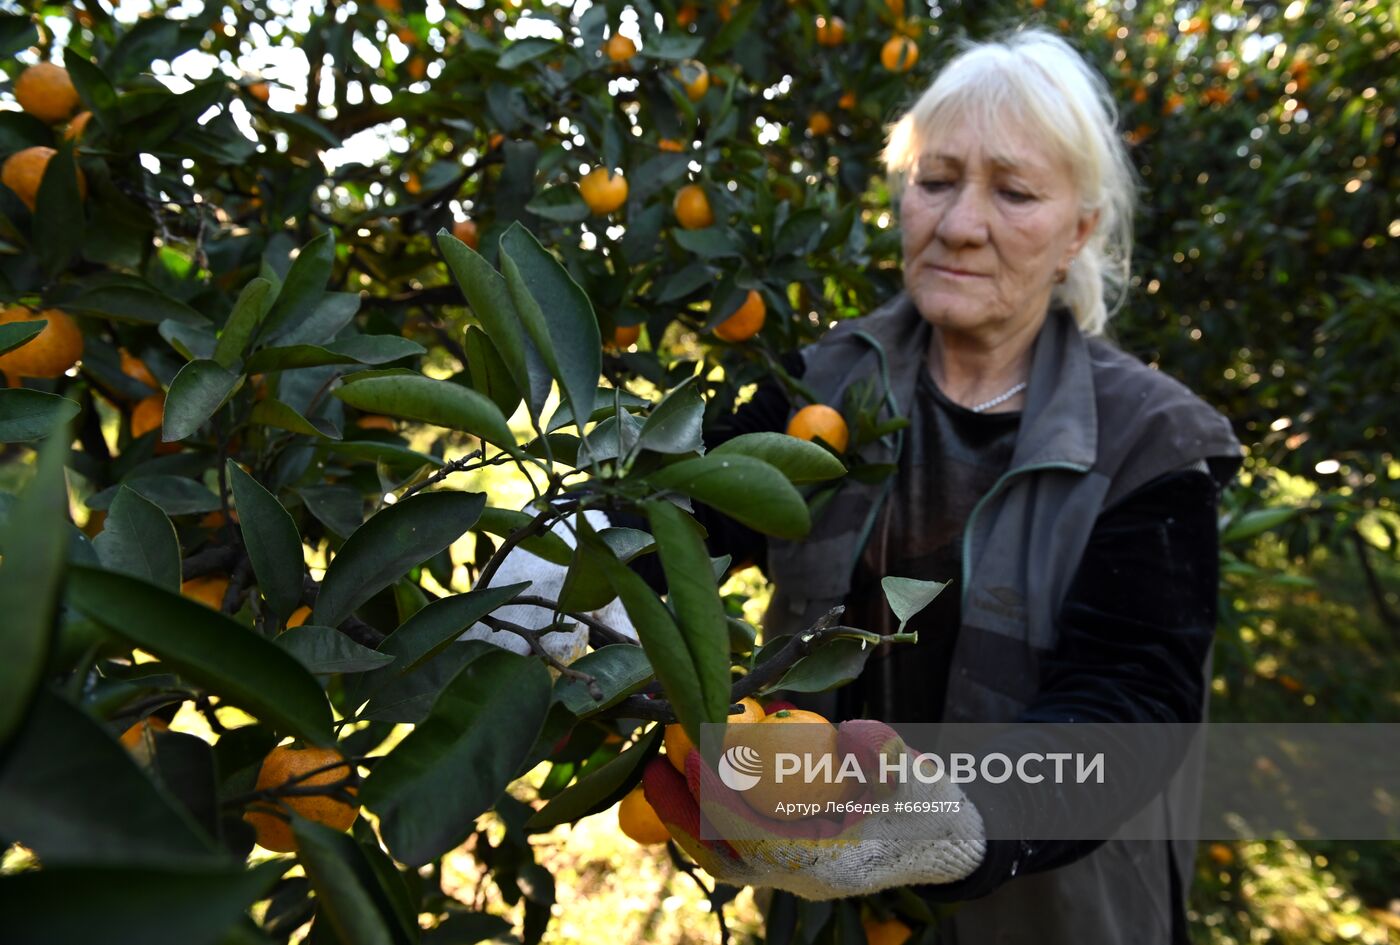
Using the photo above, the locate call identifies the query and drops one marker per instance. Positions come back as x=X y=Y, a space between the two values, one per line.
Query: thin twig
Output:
x=711 y=894
x=532 y=637
x=461 y=464
x=608 y=634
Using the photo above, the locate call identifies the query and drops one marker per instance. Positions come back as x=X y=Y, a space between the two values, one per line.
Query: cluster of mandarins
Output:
x=46 y=92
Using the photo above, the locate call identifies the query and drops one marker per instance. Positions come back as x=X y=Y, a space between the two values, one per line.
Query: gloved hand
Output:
x=547 y=580
x=854 y=854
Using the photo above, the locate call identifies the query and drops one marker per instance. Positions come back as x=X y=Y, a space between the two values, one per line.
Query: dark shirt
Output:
x=1135 y=628
x=953 y=458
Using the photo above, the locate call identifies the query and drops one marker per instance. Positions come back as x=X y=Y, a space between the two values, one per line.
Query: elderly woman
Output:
x=1068 y=491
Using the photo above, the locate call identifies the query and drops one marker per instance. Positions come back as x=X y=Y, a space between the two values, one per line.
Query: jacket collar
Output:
x=1059 y=423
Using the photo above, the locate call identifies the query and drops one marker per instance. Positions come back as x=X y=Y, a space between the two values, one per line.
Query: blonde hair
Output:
x=1035 y=81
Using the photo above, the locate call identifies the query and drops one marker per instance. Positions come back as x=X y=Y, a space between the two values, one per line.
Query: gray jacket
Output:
x=1096 y=425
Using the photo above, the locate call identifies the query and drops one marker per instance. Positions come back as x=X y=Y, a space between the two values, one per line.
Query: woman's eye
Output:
x=935 y=186
x=1016 y=196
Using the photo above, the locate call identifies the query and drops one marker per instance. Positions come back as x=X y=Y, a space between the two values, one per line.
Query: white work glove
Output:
x=547 y=580
x=854 y=854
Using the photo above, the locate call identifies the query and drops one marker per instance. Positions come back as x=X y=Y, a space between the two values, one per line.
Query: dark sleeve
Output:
x=1135 y=630
x=766 y=411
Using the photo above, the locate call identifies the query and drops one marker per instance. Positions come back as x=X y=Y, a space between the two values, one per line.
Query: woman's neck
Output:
x=974 y=368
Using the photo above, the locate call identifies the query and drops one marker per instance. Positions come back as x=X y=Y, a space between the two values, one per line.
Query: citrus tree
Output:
x=317 y=311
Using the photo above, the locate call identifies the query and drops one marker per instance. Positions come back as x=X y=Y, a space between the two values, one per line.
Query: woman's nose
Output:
x=964 y=220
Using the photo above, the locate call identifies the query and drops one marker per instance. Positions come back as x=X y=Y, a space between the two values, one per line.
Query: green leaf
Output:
x=126 y=905
x=425 y=634
x=832 y=665
x=747 y=490
x=349 y=898
x=398 y=458
x=129 y=303
x=453 y=766
x=191 y=341
x=31 y=414
x=14 y=334
x=561 y=203
x=30 y=580
x=620 y=670
x=58 y=213
x=673 y=47
x=70 y=792
x=17 y=32
x=465 y=928
x=691 y=591
x=801 y=461
x=383 y=549
x=526 y=50
x=1255 y=523
x=674 y=426
x=712 y=242
x=304 y=285
x=490 y=376
x=198 y=390
x=908 y=596
x=603 y=407
x=274 y=544
x=328 y=317
x=502 y=522
x=585 y=584
x=556 y=313
x=666 y=646
x=175 y=495
x=208 y=648
x=324 y=650
x=357 y=349
x=274 y=413
x=339 y=508
x=487 y=294
x=598 y=790
x=410 y=698
x=253 y=303
x=138 y=539
x=414 y=397
x=627 y=543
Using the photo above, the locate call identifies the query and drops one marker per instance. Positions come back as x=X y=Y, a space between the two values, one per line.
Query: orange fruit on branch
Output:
x=637 y=819
x=670 y=144
x=134 y=368
x=678 y=743
x=208 y=589
x=76 y=127
x=831 y=32
x=692 y=208
x=284 y=764
x=48 y=354
x=147 y=415
x=466 y=231
x=625 y=336
x=23 y=171
x=260 y=91
x=620 y=48
x=46 y=91
x=889 y=931
x=819 y=124
x=603 y=190
x=375 y=421
x=813 y=740
x=819 y=420
x=745 y=322
x=299 y=617
x=899 y=54
x=132 y=736
x=694 y=77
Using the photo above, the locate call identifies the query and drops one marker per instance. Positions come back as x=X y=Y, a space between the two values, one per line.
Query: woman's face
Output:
x=984 y=234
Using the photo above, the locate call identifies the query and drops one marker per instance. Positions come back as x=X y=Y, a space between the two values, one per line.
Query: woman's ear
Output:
x=1084 y=229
